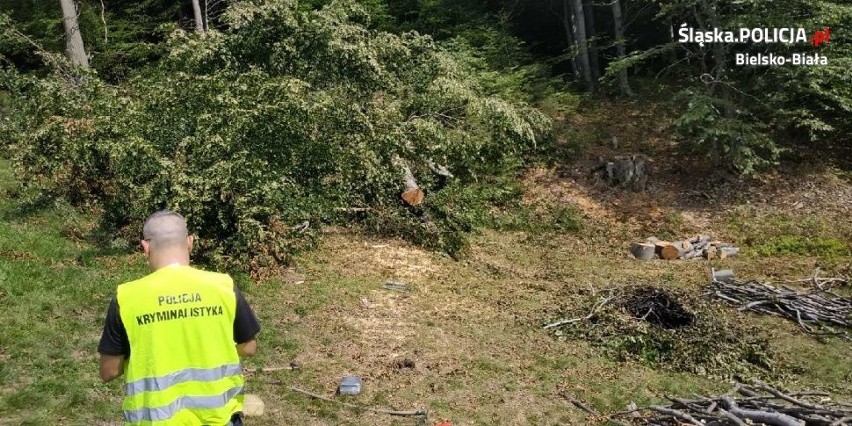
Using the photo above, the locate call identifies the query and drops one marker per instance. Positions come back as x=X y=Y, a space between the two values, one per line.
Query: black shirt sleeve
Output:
x=114 y=338
x=245 y=323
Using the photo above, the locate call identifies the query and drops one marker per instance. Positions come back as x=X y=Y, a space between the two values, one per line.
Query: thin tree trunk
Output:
x=578 y=17
x=618 y=23
x=673 y=52
x=206 y=18
x=199 y=20
x=569 y=34
x=73 y=39
x=591 y=32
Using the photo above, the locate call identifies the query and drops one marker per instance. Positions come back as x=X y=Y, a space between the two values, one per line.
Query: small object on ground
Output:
x=699 y=246
x=350 y=385
x=728 y=252
x=292 y=366
x=252 y=405
x=365 y=303
x=601 y=302
x=421 y=414
x=721 y=275
x=756 y=404
x=818 y=307
x=396 y=285
x=444 y=423
x=579 y=404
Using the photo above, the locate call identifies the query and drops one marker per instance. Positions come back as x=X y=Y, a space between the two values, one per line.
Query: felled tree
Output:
x=286 y=116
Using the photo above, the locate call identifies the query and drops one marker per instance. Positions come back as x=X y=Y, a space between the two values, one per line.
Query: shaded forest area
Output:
x=256 y=117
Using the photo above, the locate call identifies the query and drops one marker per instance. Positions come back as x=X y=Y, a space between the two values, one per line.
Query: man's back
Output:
x=177 y=336
x=182 y=364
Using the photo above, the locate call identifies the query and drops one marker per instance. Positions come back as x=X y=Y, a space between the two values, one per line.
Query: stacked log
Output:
x=697 y=247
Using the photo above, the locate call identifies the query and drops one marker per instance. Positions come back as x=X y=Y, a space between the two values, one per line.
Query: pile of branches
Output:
x=816 y=310
x=758 y=404
x=665 y=328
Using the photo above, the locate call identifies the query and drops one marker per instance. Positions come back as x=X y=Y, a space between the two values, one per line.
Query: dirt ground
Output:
x=465 y=341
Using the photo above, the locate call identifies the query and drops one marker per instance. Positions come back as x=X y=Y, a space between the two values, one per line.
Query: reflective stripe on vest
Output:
x=180 y=376
x=183 y=367
x=153 y=414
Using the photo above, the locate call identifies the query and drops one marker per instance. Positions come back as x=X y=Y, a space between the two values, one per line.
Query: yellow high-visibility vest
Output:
x=183 y=367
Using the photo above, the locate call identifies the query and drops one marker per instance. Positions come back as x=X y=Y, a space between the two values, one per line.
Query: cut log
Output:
x=671 y=252
x=701 y=243
x=711 y=252
x=694 y=254
x=438 y=169
x=643 y=251
x=685 y=245
x=659 y=246
x=413 y=195
x=729 y=251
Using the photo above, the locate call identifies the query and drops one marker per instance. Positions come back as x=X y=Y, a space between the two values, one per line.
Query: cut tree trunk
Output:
x=73 y=39
x=660 y=245
x=413 y=194
x=671 y=252
x=643 y=251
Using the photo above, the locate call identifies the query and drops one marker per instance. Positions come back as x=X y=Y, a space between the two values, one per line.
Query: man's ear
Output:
x=189 y=240
x=146 y=247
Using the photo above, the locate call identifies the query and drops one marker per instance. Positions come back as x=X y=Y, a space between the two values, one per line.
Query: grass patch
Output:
x=779 y=233
x=803 y=246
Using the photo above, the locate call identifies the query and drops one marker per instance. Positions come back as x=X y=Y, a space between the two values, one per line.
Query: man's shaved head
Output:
x=164 y=229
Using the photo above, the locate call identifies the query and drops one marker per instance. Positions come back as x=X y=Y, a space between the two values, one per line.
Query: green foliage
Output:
x=742 y=116
x=738 y=142
x=804 y=246
x=773 y=233
x=288 y=115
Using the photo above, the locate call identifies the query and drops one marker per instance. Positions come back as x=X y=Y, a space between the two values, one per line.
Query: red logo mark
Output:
x=821 y=36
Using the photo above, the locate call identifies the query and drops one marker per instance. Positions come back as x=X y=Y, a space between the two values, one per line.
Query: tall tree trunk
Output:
x=196 y=11
x=578 y=18
x=73 y=40
x=206 y=18
x=569 y=34
x=618 y=23
x=589 y=10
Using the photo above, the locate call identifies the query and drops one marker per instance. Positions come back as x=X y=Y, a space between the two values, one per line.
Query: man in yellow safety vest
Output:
x=177 y=335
